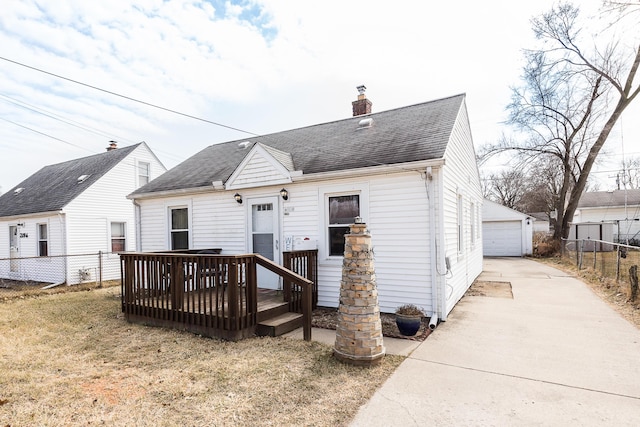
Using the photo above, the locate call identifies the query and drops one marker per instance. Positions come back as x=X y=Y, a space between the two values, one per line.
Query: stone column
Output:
x=359 y=330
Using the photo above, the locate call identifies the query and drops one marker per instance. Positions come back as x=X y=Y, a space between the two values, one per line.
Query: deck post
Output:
x=232 y=288
x=307 y=303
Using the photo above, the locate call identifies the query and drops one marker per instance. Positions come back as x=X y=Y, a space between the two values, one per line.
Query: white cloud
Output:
x=258 y=65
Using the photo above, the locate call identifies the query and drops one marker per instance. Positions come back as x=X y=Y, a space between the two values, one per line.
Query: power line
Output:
x=74 y=123
x=45 y=134
x=54 y=116
x=128 y=97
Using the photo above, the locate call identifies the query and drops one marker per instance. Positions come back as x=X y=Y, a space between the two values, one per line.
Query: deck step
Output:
x=279 y=325
x=272 y=309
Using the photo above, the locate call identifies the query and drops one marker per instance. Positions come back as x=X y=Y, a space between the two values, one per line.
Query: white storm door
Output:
x=14 y=250
x=264 y=235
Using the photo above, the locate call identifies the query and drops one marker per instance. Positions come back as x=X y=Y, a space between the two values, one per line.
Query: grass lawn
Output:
x=72 y=359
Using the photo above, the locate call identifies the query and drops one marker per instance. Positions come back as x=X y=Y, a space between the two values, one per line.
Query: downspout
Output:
x=433 y=321
x=137 y=214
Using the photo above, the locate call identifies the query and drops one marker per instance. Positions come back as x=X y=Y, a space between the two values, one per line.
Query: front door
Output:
x=264 y=235
x=14 y=250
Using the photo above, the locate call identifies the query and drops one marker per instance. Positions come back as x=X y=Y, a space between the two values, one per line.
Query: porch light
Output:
x=285 y=194
x=238 y=198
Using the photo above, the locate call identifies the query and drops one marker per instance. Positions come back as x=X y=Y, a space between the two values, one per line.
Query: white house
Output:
x=620 y=208
x=505 y=232
x=68 y=209
x=409 y=173
x=541 y=222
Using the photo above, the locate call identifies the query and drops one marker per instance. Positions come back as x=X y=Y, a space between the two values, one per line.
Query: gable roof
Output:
x=54 y=186
x=408 y=134
x=601 y=199
x=492 y=211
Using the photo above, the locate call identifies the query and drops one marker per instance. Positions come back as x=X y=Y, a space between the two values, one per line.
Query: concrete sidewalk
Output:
x=554 y=355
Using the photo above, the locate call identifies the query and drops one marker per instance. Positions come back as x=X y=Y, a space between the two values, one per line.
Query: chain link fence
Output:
x=615 y=261
x=20 y=275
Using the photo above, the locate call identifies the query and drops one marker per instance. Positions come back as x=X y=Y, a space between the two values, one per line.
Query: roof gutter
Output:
x=176 y=192
x=372 y=170
x=295 y=177
x=32 y=215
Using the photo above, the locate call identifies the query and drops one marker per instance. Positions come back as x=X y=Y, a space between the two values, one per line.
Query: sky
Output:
x=253 y=66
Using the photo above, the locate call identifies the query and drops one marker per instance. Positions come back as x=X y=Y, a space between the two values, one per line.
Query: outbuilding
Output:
x=505 y=231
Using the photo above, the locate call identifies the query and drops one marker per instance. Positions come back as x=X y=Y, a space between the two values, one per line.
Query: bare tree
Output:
x=506 y=187
x=630 y=176
x=573 y=93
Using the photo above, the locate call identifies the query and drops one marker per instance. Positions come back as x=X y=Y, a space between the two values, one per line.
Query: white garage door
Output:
x=503 y=238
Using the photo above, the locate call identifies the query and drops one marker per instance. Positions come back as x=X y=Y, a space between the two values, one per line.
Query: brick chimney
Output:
x=112 y=146
x=362 y=105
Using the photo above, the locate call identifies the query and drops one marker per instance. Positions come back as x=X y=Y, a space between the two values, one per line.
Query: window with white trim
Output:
x=144 y=172
x=342 y=211
x=43 y=240
x=179 y=228
x=118 y=237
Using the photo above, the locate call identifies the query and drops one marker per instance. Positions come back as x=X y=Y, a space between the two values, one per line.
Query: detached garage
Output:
x=505 y=232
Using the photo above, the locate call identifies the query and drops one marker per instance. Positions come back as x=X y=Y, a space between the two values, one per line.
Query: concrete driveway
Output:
x=553 y=355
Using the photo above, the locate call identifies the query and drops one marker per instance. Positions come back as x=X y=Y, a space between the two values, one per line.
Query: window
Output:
x=143 y=173
x=118 y=240
x=43 y=240
x=342 y=212
x=179 y=228
x=460 y=224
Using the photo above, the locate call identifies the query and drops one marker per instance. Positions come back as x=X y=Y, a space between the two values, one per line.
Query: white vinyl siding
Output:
x=400 y=237
x=460 y=225
x=43 y=268
x=461 y=177
x=88 y=217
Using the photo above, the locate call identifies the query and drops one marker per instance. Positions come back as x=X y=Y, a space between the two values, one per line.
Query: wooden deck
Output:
x=213 y=295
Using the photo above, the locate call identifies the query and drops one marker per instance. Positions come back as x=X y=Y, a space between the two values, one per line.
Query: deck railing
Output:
x=213 y=295
x=305 y=263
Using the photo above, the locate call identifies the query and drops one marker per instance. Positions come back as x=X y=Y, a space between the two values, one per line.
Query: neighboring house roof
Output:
x=600 y=199
x=54 y=186
x=409 y=134
x=539 y=216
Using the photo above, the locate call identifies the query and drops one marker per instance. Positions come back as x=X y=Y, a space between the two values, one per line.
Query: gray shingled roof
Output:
x=609 y=198
x=408 y=134
x=54 y=186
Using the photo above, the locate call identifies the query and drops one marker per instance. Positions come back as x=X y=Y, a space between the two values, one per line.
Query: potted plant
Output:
x=409 y=319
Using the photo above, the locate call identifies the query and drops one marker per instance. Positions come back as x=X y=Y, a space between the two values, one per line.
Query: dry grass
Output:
x=615 y=294
x=71 y=359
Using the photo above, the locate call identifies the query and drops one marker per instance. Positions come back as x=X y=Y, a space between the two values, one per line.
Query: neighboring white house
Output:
x=620 y=207
x=73 y=208
x=409 y=173
x=541 y=222
x=505 y=232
